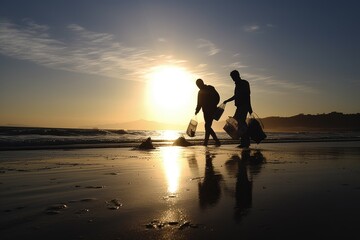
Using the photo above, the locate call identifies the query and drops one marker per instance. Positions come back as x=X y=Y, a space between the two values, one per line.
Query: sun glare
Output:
x=169 y=134
x=171 y=90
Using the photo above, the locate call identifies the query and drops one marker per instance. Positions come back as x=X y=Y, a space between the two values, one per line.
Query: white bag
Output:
x=232 y=128
x=219 y=111
x=191 y=129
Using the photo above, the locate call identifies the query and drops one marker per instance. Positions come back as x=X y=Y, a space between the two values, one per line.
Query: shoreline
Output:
x=157 y=143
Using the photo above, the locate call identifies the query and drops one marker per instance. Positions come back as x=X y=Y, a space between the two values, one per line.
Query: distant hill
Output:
x=319 y=122
x=301 y=122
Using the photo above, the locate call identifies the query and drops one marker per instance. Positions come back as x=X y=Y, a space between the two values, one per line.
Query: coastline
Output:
x=287 y=190
x=162 y=143
x=29 y=138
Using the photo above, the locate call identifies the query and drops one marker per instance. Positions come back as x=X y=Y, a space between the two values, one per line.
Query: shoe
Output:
x=243 y=146
x=218 y=144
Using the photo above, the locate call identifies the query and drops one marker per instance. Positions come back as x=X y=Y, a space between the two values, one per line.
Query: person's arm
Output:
x=230 y=99
x=250 y=108
x=198 y=106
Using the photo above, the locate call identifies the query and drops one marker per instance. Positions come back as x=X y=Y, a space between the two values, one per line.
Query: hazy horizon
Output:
x=114 y=62
x=143 y=124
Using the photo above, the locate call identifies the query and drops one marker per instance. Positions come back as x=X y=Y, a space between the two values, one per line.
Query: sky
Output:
x=94 y=63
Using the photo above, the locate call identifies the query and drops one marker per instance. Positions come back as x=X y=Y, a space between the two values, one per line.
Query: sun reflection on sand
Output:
x=170 y=158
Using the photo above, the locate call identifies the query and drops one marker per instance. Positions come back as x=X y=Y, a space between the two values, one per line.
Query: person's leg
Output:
x=207 y=128
x=207 y=135
x=245 y=139
x=208 y=117
x=240 y=116
x=213 y=134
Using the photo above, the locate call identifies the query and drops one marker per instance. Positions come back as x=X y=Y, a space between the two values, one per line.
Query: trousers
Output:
x=240 y=116
x=209 y=117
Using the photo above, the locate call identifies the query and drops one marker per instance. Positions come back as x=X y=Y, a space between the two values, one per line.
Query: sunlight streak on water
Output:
x=169 y=134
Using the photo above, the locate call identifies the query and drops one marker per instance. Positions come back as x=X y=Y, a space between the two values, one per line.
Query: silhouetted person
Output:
x=208 y=98
x=209 y=188
x=242 y=103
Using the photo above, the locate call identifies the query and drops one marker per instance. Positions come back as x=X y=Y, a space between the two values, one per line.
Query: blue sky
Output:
x=84 y=63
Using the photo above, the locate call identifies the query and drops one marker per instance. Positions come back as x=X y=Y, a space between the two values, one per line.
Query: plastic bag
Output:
x=219 y=111
x=191 y=129
x=233 y=129
x=255 y=130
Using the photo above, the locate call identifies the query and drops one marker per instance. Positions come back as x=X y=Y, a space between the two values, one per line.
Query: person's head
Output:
x=235 y=75
x=200 y=83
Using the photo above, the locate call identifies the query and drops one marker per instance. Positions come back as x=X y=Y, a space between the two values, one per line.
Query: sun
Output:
x=171 y=92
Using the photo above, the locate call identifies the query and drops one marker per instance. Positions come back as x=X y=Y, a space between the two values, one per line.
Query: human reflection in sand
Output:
x=244 y=168
x=193 y=165
x=209 y=187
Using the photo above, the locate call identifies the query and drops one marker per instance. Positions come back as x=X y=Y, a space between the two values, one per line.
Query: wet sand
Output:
x=273 y=190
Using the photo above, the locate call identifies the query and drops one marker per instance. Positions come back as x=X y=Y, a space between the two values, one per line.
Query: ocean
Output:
x=15 y=138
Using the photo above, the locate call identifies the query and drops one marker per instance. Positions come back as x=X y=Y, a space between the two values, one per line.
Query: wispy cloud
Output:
x=257 y=28
x=265 y=82
x=251 y=28
x=29 y=43
x=272 y=83
x=90 y=52
x=237 y=65
x=84 y=51
x=210 y=47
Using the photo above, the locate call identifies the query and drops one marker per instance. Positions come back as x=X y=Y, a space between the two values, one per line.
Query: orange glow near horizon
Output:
x=169 y=134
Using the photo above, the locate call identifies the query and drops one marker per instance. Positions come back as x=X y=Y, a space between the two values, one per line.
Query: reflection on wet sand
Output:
x=209 y=187
x=240 y=167
x=193 y=164
x=212 y=182
x=171 y=158
x=210 y=193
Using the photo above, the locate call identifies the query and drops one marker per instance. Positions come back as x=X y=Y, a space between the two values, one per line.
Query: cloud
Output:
x=31 y=42
x=236 y=65
x=268 y=82
x=251 y=28
x=83 y=51
x=34 y=25
x=258 y=28
x=209 y=46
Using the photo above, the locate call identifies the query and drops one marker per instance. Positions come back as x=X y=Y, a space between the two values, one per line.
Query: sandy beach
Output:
x=274 y=190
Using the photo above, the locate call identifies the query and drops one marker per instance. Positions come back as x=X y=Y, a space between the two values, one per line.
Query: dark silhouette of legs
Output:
x=208 y=117
x=240 y=116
